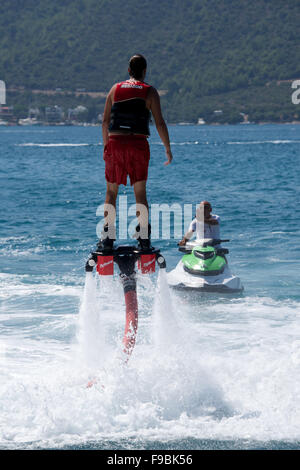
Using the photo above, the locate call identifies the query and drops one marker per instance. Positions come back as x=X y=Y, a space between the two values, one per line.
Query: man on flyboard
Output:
x=125 y=129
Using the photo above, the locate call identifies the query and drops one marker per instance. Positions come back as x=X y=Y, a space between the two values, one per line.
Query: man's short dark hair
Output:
x=137 y=65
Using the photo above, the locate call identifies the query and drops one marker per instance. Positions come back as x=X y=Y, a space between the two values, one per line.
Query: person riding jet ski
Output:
x=204 y=266
x=209 y=229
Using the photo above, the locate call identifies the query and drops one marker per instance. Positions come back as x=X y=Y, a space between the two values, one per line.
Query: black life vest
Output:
x=129 y=111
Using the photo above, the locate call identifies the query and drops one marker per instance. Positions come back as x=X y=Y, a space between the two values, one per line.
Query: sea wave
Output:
x=242 y=142
x=250 y=142
x=218 y=385
x=32 y=144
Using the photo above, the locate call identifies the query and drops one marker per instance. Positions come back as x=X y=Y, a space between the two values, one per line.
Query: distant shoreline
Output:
x=213 y=124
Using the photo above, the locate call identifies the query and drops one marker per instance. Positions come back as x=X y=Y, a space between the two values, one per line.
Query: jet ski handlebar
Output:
x=205 y=242
x=218 y=241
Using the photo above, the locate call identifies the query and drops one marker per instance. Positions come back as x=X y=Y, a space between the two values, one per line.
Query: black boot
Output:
x=143 y=243
x=106 y=243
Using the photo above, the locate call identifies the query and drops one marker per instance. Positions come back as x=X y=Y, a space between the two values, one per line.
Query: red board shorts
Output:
x=126 y=155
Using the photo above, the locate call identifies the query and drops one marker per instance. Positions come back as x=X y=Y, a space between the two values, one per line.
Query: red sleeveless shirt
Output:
x=129 y=112
x=129 y=90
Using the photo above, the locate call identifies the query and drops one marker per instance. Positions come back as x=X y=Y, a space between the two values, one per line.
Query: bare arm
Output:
x=186 y=238
x=160 y=123
x=188 y=235
x=106 y=115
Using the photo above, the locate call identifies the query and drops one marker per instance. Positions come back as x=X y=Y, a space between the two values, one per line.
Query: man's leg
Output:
x=111 y=194
x=142 y=209
x=140 y=193
x=110 y=213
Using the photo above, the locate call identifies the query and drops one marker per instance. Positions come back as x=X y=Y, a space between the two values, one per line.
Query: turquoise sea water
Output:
x=235 y=383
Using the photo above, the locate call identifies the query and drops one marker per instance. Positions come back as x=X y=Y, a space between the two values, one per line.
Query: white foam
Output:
x=13 y=287
x=205 y=369
x=32 y=144
x=250 y=142
x=242 y=142
x=91 y=332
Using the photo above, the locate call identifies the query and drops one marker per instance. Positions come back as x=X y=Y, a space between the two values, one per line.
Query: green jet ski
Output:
x=204 y=267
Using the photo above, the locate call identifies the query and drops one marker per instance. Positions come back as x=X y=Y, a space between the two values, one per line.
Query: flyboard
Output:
x=126 y=257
